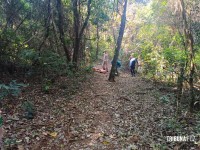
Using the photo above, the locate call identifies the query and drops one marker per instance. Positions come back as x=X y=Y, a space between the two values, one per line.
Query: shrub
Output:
x=13 y=89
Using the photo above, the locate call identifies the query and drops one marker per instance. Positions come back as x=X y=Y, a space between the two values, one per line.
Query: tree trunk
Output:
x=47 y=25
x=61 y=29
x=78 y=34
x=192 y=70
x=191 y=83
x=180 y=88
x=97 y=52
x=189 y=44
x=118 y=46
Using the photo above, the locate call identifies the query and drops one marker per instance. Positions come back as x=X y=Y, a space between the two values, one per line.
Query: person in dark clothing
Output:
x=118 y=65
x=132 y=64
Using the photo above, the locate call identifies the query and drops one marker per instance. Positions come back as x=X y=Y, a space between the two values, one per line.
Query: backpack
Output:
x=119 y=64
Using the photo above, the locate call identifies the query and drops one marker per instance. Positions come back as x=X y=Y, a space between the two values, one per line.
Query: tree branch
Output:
x=87 y=18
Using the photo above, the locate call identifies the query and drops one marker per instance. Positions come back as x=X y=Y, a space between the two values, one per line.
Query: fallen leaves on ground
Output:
x=97 y=114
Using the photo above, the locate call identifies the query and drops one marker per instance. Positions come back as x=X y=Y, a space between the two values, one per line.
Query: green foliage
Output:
x=46 y=88
x=165 y=99
x=99 y=14
x=46 y=85
x=172 y=125
x=25 y=4
x=10 y=142
x=28 y=107
x=109 y=39
x=12 y=89
x=88 y=69
x=197 y=58
x=159 y=8
x=168 y=98
x=10 y=44
x=28 y=56
x=175 y=56
x=101 y=18
x=1 y=121
x=52 y=64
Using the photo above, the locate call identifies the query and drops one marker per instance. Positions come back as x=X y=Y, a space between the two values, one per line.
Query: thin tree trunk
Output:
x=61 y=29
x=47 y=25
x=192 y=71
x=97 y=52
x=22 y=22
x=180 y=79
x=56 y=37
x=191 y=83
x=180 y=88
x=118 y=46
x=189 y=43
x=76 y=32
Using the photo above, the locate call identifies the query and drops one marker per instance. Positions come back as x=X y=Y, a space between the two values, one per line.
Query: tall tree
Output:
x=47 y=25
x=189 y=44
x=118 y=45
x=78 y=29
x=61 y=29
x=183 y=11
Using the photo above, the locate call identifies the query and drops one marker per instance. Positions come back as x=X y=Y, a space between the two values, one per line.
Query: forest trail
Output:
x=102 y=115
x=115 y=115
x=109 y=115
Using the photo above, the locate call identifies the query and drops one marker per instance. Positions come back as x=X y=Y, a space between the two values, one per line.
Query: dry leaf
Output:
x=134 y=138
x=45 y=133
x=53 y=134
x=106 y=142
x=20 y=147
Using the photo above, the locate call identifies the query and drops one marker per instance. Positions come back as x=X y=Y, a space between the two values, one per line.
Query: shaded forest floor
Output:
x=91 y=113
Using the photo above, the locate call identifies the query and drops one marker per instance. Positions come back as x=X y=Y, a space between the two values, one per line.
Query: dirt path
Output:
x=102 y=115
x=115 y=115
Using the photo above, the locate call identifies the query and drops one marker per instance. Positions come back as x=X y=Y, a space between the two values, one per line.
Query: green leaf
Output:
x=1 y=121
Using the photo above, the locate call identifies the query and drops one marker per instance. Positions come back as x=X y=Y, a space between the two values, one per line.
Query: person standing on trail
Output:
x=105 y=61
x=132 y=64
x=87 y=56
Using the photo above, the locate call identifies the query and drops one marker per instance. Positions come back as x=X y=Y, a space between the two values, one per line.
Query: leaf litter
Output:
x=97 y=115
